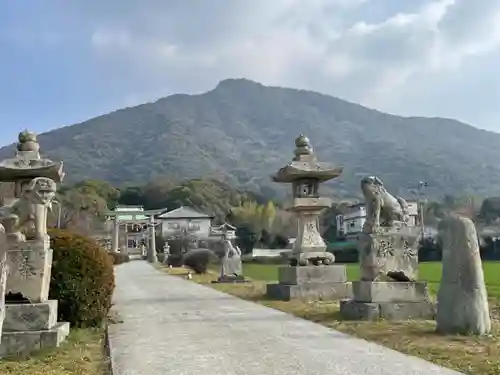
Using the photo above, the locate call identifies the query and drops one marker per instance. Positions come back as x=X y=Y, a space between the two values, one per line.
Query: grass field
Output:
x=470 y=355
x=431 y=272
x=82 y=354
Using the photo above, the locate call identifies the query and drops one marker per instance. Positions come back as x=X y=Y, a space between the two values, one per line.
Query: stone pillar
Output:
x=462 y=301
x=152 y=258
x=115 y=237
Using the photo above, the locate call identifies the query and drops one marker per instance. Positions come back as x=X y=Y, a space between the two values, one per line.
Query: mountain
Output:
x=241 y=132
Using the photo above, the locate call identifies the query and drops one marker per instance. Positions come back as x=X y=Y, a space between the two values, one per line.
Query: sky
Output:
x=63 y=62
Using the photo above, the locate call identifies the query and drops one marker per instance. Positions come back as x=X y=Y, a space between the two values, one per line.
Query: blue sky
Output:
x=62 y=62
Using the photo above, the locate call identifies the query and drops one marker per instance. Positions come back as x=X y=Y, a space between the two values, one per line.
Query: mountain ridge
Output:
x=229 y=131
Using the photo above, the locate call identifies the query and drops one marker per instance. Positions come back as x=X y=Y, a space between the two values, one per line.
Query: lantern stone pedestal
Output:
x=30 y=318
x=310 y=283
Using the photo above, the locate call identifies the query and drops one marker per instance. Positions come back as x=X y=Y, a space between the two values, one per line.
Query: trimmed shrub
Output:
x=175 y=260
x=119 y=258
x=82 y=279
x=198 y=259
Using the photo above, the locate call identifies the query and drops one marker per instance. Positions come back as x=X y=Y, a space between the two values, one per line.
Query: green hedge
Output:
x=82 y=279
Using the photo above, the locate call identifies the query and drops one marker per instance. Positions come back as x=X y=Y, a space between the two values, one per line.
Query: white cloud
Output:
x=372 y=51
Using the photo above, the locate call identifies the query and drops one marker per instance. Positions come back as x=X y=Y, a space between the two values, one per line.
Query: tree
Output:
x=328 y=220
x=78 y=209
x=246 y=238
x=131 y=195
x=268 y=215
x=102 y=189
x=490 y=209
x=182 y=241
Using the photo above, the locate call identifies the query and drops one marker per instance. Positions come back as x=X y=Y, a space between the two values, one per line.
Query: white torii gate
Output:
x=150 y=222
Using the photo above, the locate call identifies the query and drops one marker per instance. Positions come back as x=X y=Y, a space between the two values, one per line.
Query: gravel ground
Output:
x=177 y=327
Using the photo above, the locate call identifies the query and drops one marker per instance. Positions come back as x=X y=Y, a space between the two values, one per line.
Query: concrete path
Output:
x=176 y=327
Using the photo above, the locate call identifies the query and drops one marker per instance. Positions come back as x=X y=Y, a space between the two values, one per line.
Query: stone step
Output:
x=24 y=343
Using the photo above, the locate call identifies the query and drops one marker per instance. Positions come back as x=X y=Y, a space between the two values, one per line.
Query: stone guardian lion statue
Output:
x=382 y=209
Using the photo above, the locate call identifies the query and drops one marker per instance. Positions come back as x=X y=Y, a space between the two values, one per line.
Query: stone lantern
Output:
x=305 y=174
x=30 y=317
x=311 y=273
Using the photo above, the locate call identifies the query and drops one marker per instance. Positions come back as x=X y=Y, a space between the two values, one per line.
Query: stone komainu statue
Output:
x=382 y=209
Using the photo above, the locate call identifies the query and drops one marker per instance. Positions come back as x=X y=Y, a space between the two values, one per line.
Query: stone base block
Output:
x=30 y=316
x=397 y=291
x=231 y=279
x=354 y=310
x=312 y=274
x=309 y=291
x=22 y=343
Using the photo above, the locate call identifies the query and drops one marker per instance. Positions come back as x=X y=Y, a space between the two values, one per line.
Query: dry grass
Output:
x=82 y=354
x=471 y=355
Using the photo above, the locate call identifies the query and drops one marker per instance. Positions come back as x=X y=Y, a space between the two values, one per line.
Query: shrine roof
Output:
x=307 y=169
x=15 y=169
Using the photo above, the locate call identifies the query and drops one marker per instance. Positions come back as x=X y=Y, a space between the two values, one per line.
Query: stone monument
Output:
x=231 y=270
x=388 y=254
x=30 y=317
x=462 y=301
x=311 y=273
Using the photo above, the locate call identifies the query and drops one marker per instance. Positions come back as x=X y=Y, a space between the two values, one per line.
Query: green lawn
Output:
x=430 y=272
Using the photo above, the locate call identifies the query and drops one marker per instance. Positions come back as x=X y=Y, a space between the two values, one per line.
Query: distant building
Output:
x=225 y=230
x=350 y=224
x=185 y=219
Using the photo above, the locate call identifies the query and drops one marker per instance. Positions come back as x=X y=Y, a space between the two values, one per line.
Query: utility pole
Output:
x=59 y=215
x=58 y=212
x=421 y=194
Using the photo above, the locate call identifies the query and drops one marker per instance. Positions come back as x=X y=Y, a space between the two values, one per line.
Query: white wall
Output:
x=198 y=227
x=269 y=253
x=352 y=222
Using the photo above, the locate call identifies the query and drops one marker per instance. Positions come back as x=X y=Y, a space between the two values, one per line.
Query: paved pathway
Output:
x=176 y=327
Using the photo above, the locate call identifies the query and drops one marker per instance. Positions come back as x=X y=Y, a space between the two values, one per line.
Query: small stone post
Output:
x=152 y=257
x=462 y=299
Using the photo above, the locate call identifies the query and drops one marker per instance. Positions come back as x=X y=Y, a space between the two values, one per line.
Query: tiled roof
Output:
x=184 y=213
